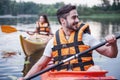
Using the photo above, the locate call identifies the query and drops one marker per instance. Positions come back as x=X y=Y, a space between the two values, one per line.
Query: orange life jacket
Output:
x=43 y=28
x=64 y=48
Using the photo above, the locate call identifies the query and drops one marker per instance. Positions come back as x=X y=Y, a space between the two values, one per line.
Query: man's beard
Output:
x=72 y=27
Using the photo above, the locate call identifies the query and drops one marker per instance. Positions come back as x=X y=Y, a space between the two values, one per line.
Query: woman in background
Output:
x=43 y=26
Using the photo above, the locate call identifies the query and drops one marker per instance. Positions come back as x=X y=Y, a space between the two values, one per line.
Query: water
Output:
x=11 y=66
x=14 y=66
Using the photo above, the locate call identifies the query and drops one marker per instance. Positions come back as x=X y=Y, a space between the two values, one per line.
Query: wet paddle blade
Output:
x=8 y=29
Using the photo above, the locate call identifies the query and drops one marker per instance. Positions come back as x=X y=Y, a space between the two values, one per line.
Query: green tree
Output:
x=84 y=10
x=4 y=7
x=13 y=8
x=105 y=4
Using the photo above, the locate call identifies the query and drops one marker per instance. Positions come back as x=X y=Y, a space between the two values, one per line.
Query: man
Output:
x=73 y=37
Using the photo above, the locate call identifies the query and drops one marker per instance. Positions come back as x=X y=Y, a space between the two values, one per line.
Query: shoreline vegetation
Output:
x=92 y=16
x=102 y=16
x=19 y=8
x=18 y=16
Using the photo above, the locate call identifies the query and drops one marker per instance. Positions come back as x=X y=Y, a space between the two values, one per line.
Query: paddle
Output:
x=68 y=59
x=10 y=29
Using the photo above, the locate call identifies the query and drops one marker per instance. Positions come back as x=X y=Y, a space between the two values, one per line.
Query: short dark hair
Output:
x=62 y=12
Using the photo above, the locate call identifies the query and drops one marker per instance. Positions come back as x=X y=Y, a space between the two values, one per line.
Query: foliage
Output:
x=4 y=7
x=15 y=8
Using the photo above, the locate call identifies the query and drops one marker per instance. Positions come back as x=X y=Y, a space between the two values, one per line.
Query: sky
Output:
x=75 y=2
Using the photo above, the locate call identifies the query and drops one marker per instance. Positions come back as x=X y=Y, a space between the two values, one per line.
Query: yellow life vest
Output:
x=64 y=48
x=43 y=27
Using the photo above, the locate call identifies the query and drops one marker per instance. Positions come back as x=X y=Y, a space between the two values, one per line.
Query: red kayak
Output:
x=76 y=75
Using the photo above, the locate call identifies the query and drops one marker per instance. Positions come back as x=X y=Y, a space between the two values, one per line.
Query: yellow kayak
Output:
x=33 y=48
x=33 y=44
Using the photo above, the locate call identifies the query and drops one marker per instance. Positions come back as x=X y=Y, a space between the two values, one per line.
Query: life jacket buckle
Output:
x=64 y=46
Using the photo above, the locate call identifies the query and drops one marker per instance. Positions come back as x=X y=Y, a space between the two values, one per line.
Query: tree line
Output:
x=15 y=8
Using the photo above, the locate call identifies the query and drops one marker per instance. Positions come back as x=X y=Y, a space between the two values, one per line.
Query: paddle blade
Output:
x=8 y=29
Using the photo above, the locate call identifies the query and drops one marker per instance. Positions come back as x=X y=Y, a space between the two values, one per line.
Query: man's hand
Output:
x=111 y=39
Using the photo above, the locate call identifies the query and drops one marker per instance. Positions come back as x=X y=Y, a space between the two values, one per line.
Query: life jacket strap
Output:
x=71 y=66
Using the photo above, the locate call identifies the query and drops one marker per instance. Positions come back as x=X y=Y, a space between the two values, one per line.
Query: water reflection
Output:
x=15 y=65
x=110 y=28
x=32 y=59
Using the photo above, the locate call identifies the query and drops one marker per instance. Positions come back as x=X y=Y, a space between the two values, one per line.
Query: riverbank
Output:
x=18 y=16
x=92 y=16
x=102 y=16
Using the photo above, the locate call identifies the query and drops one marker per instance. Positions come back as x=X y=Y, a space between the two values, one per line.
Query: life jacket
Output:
x=43 y=28
x=64 y=48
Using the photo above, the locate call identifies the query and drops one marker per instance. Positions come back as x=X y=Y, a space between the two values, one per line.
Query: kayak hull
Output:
x=76 y=75
x=32 y=45
x=33 y=48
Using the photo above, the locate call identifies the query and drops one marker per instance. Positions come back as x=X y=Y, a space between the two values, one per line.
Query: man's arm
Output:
x=110 y=48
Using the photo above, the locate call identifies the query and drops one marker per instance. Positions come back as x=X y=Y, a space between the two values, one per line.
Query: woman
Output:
x=43 y=26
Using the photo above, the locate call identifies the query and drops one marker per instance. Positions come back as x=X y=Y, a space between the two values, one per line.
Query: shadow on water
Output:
x=100 y=29
x=32 y=59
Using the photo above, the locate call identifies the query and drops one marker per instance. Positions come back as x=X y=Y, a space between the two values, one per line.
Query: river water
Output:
x=12 y=67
